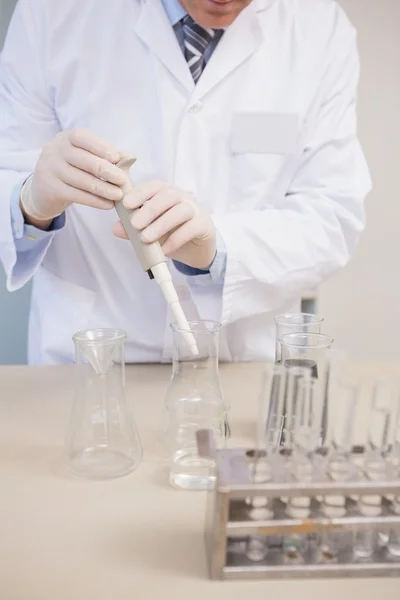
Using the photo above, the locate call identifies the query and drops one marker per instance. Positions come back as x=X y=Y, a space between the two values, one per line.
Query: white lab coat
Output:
x=266 y=141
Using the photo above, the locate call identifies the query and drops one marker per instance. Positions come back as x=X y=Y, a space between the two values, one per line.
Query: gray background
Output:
x=360 y=304
x=13 y=307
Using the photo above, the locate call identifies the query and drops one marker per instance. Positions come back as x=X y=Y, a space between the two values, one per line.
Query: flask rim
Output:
x=99 y=335
x=307 y=340
x=298 y=319
x=199 y=326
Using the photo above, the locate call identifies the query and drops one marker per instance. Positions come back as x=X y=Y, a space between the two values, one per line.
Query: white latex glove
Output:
x=75 y=166
x=173 y=217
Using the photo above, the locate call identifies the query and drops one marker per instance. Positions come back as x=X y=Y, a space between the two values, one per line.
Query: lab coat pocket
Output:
x=260 y=144
x=60 y=308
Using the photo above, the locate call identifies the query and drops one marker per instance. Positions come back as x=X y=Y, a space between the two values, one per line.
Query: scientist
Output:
x=242 y=116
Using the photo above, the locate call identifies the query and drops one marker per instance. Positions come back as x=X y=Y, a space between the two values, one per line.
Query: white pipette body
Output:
x=152 y=259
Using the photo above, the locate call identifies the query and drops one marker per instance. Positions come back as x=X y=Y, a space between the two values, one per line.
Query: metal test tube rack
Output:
x=227 y=521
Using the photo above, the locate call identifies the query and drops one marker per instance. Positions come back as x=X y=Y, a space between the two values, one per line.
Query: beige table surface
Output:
x=131 y=538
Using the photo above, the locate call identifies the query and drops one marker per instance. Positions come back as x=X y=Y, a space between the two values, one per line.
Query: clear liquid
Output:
x=283 y=436
x=191 y=472
x=187 y=469
x=305 y=363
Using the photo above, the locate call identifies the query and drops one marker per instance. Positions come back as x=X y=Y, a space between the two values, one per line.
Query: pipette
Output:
x=152 y=258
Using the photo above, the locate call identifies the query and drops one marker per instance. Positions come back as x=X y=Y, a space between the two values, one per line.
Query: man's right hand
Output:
x=74 y=167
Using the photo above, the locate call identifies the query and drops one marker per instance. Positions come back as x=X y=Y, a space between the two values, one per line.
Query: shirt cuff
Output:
x=26 y=236
x=215 y=274
x=31 y=243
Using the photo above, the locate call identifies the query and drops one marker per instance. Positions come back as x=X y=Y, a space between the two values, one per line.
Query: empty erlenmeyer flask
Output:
x=194 y=401
x=102 y=440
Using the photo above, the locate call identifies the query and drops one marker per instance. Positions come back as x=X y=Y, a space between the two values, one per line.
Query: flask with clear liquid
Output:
x=194 y=401
x=102 y=440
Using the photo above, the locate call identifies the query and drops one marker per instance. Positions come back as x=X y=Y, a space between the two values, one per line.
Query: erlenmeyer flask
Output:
x=194 y=401
x=102 y=440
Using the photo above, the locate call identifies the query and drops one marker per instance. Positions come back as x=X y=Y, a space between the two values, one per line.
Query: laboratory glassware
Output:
x=277 y=405
x=394 y=536
x=274 y=437
x=268 y=433
x=305 y=441
x=194 y=401
x=311 y=350
x=102 y=439
x=268 y=427
x=295 y=323
x=375 y=461
x=260 y=507
x=307 y=419
x=339 y=468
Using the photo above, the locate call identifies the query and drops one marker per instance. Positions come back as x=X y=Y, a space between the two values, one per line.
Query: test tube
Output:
x=306 y=437
x=307 y=419
x=375 y=465
x=279 y=405
x=260 y=468
x=394 y=535
x=274 y=432
x=313 y=351
x=272 y=408
x=339 y=467
x=260 y=507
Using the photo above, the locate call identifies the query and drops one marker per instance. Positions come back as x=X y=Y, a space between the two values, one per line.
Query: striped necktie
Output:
x=196 y=40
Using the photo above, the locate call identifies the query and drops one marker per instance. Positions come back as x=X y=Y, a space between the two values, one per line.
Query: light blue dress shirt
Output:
x=174 y=10
x=31 y=243
x=175 y=14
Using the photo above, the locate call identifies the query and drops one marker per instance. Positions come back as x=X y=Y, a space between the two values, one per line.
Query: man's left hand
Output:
x=175 y=219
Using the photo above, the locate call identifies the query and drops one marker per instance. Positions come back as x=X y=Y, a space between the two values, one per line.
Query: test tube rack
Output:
x=228 y=525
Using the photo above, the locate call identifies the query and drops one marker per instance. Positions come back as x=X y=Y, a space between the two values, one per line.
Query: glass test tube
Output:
x=260 y=507
x=306 y=437
x=375 y=464
x=339 y=468
x=393 y=543
x=313 y=351
x=276 y=411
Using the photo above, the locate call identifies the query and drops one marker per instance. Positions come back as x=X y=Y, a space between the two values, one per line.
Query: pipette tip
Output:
x=194 y=350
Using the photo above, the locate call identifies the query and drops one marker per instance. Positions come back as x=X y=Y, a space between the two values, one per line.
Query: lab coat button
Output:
x=197 y=107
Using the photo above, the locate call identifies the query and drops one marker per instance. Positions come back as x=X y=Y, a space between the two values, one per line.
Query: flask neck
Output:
x=195 y=379
x=100 y=349
x=196 y=376
x=205 y=367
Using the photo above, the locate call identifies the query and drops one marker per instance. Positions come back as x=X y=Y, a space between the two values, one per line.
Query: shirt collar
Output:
x=174 y=10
